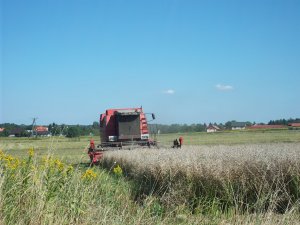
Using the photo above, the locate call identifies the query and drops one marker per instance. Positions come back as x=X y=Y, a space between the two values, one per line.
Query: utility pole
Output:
x=33 y=126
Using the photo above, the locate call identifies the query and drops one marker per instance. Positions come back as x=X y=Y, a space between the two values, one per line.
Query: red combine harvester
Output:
x=121 y=129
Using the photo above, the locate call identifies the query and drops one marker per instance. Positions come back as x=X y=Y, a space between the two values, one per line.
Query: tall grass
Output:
x=217 y=179
x=51 y=192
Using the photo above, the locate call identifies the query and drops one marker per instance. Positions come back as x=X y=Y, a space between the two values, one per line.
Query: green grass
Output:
x=69 y=150
x=64 y=147
x=233 y=137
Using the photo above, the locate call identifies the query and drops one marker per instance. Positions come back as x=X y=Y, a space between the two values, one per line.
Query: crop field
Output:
x=222 y=178
x=252 y=178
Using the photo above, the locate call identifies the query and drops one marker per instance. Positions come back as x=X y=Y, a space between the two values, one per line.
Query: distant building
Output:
x=17 y=132
x=42 y=131
x=294 y=125
x=2 y=129
x=212 y=128
x=259 y=126
x=238 y=125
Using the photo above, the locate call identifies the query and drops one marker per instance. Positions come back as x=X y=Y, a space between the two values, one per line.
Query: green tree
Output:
x=4 y=133
x=96 y=125
x=73 y=132
x=54 y=129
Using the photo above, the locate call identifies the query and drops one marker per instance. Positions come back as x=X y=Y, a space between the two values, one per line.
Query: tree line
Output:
x=53 y=129
x=284 y=121
x=93 y=129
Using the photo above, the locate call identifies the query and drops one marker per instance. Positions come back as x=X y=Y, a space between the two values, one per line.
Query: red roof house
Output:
x=41 y=129
x=258 y=126
x=294 y=125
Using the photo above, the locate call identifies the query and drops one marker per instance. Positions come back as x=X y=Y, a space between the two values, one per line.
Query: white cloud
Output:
x=169 y=92
x=222 y=87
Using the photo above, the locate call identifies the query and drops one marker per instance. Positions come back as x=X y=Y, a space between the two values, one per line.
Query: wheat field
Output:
x=253 y=178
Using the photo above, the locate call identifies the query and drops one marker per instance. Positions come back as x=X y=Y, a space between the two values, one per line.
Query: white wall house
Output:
x=212 y=128
x=238 y=125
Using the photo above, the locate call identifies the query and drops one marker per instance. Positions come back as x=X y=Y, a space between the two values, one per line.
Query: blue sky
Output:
x=66 y=61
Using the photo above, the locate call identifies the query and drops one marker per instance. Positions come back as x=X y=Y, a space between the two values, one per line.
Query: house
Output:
x=238 y=125
x=18 y=132
x=212 y=128
x=262 y=126
x=294 y=125
x=41 y=131
x=1 y=129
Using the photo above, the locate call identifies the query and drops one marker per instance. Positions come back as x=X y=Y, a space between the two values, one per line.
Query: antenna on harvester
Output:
x=33 y=126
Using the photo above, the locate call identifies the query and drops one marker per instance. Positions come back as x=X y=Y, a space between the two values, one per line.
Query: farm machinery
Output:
x=125 y=128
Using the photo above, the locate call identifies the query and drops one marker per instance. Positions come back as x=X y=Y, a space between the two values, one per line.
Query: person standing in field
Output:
x=180 y=141
x=92 y=145
x=175 y=144
x=91 y=149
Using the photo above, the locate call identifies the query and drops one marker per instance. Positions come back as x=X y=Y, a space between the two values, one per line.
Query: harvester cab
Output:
x=122 y=129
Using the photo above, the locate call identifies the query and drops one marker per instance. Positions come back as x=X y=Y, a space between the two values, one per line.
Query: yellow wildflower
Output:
x=118 y=170
x=1 y=154
x=9 y=161
x=14 y=163
x=89 y=174
x=31 y=152
x=59 y=165
x=44 y=159
x=70 y=169
x=8 y=158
